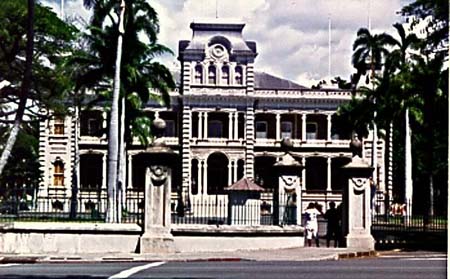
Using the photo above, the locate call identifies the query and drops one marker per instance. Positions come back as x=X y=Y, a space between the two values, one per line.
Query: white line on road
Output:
x=8 y=265
x=424 y=259
x=127 y=273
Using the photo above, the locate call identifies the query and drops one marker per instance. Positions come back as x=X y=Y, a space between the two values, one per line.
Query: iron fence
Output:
x=393 y=216
x=86 y=206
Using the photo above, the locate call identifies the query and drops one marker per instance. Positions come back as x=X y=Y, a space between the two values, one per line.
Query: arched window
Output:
x=212 y=74
x=238 y=79
x=225 y=75
x=198 y=75
x=217 y=173
x=58 y=173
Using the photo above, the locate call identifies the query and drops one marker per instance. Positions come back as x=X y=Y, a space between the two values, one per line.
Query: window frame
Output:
x=258 y=133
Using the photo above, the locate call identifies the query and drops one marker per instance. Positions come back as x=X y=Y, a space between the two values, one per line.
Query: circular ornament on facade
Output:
x=218 y=51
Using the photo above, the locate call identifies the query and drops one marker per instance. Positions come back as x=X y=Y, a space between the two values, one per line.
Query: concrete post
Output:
x=287 y=196
x=356 y=219
x=157 y=211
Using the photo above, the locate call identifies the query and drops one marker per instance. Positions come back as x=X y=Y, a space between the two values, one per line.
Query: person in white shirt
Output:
x=311 y=226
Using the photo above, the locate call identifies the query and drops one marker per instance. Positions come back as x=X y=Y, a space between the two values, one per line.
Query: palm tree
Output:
x=139 y=74
x=370 y=52
x=398 y=59
x=25 y=88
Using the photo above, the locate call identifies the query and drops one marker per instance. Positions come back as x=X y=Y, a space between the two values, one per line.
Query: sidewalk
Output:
x=290 y=254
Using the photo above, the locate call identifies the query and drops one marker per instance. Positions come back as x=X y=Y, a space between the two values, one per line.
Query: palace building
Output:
x=226 y=121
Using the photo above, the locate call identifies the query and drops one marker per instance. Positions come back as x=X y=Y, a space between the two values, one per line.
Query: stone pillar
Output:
x=303 y=127
x=287 y=196
x=205 y=178
x=185 y=155
x=230 y=171
x=200 y=125
x=205 y=125
x=304 y=174
x=236 y=125
x=235 y=170
x=230 y=125
x=250 y=124
x=356 y=219
x=104 y=173
x=278 y=127
x=329 y=174
x=157 y=237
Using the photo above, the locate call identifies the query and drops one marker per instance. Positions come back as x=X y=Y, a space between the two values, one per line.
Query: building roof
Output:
x=267 y=81
x=245 y=184
x=262 y=81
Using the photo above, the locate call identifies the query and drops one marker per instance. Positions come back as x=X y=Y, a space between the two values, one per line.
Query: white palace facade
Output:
x=226 y=121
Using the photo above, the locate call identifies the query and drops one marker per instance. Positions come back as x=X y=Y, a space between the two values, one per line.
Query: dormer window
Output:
x=198 y=75
x=225 y=75
x=238 y=75
x=211 y=75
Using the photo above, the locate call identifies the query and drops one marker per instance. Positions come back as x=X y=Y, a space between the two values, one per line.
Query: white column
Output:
x=205 y=128
x=304 y=174
x=329 y=174
x=200 y=125
x=130 y=171
x=230 y=171
x=230 y=125
x=329 y=127
x=199 y=176
x=105 y=164
x=235 y=178
x=303 y=127
x=205 y=177
x=278 y=127
x=236 y=126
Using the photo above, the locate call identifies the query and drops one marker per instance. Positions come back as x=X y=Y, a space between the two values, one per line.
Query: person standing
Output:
x=333 y=226
x=312 y=227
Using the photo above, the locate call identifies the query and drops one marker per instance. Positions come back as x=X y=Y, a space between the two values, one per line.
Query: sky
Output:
x=292 y=36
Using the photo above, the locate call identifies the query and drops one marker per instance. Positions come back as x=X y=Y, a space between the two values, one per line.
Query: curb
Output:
x=352 y=255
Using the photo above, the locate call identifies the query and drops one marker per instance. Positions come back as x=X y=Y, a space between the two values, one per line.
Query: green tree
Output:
x=32 y=31
x=140 y=75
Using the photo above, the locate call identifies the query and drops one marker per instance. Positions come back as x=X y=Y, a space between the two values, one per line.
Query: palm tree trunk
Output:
x=113 y=137
x=26 y=84
x=408 y=167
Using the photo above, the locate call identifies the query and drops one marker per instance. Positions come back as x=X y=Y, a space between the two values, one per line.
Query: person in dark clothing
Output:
x=333 y=226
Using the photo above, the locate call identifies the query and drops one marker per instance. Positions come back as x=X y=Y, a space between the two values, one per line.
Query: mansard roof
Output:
x=263 y=80
x=267 y=81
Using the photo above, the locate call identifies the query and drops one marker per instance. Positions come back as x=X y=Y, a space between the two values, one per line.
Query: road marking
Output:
x=8 y=265
x=424 y=259
x=127 y=273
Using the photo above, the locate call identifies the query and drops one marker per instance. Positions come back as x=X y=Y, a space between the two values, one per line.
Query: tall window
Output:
x=225 y=75
x=58 y=125
x=198 y=75
x=58 y=173
x=217 y=173
x=91 y=171
x=215 y=129
x=91 y=123
x=238 y=75
x=194 y=177
x=212 y=75
x=261 y=129
x=286 y=129
x=311 y=131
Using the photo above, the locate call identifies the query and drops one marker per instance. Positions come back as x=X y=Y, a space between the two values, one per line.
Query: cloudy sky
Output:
x=291 y=35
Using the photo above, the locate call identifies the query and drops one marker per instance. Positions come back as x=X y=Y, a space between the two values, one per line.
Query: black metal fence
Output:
x=390 y=216
x=85 y=206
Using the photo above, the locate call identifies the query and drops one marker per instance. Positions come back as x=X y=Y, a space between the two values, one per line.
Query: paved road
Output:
x=408 y=266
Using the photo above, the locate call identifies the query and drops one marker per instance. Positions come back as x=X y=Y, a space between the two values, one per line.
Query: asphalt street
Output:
x=397 y=266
